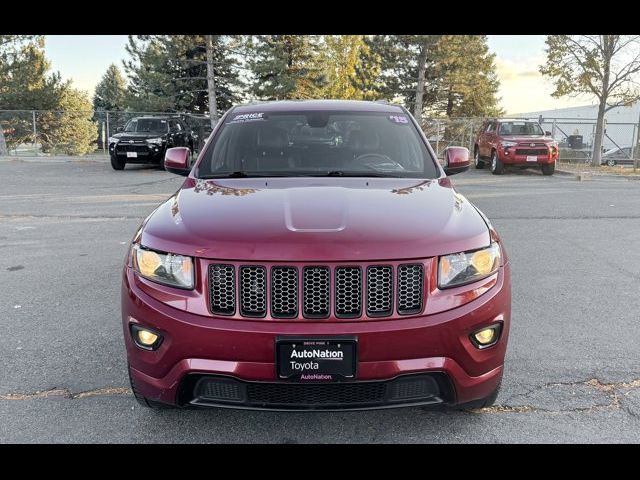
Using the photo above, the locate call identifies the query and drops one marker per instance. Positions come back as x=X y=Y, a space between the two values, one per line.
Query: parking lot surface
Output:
x=572 y=371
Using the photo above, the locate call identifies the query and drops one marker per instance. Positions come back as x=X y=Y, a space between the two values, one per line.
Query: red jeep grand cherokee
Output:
x=316 y=257
x=520 y=143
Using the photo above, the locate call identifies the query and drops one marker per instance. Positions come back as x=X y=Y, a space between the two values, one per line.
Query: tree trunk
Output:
x=3 y=144
x=422 y=63
x=211 y=82
x=596 y=156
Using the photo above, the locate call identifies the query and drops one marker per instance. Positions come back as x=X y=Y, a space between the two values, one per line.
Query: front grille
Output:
x=253 y=291
x=222 y=289
x=532 y=151
x=348 y=292
x=316 y=292
x=356 y=290
x=284 y=292
x=410 y=279
x=379 y=291
x=142 y=149
x=197 y=389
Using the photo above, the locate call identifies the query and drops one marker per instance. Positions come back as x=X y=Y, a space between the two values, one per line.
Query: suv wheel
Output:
x=548 y=169
x=497 y=167
x=611 y=162
x=145 y=402
x=116 y=163
x=477 y=161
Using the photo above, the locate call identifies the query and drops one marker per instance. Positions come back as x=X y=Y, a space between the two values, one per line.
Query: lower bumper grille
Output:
x=532 y=151
x=215 y=390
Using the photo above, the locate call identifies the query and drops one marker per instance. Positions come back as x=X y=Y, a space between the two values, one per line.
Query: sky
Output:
x=85 y=58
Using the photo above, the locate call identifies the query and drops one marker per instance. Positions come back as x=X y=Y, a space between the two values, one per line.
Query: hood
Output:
x=137 y=135
x=315 y=219
x=527 y=138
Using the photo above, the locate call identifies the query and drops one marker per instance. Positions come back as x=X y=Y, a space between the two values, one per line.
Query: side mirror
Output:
x=547 y=133
x=176 y=160
x=120 y=129
x=456 y=160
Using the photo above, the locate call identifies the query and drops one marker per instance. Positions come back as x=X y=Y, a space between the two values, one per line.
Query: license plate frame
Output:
x=328 y=369
x=132 y=154
x=532 y=158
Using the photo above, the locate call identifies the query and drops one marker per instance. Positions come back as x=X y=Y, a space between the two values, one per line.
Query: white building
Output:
x=622 y=124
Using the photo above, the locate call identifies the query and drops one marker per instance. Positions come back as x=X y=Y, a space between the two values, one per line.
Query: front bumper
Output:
x=197 y=347
x=520 y=156
x=144 y=152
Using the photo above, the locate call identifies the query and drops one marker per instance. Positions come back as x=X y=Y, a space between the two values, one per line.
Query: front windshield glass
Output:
x=318 y=144
x=520 y=128
x=147 y=125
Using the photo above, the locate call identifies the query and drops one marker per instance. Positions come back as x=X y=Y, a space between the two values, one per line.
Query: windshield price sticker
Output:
x=248 y=117
x=401 y=119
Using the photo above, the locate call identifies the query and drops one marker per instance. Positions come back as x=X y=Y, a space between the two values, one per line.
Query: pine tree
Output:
x=341 y=59
x=168 y=73
x=464 y=82
x=111 y=91
x=285 y=67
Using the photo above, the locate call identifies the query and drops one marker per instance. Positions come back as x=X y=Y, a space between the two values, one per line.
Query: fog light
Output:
x=487 y=336
x=145 y=338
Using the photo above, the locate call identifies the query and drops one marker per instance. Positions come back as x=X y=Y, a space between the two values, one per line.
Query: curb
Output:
x=31 y=159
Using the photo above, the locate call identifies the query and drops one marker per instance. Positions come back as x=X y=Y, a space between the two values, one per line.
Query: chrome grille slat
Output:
x=253 y=291
x=316 y=292
x=410 y=288
x=222 y=290
x=379 y=291
x=284 y=292
x=348 y=294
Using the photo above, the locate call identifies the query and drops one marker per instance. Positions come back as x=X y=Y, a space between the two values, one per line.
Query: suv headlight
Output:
x=157 y=141
x=113 y=140
x=467 y=267
x=509 y=144
x=166 y=268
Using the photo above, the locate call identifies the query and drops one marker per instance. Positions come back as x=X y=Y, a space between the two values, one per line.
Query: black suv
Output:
x=145 y=140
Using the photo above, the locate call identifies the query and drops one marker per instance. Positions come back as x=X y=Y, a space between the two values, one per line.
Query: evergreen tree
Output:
x=464 y=82
x=168 y=73
x=111 y=91
x=285 y=67
x=341 y=59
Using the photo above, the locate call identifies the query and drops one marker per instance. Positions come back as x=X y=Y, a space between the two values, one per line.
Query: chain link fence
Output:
x=49 y=133
x=55 y=133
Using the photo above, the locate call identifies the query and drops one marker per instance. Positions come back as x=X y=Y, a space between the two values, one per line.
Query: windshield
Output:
x=520 y=128
x=318 y=144
x=147 y=125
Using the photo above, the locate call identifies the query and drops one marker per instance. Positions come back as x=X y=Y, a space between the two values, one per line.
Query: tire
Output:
x=548 y=169
x=611 y=162
x=477 y=161
x=145 y=402
x=116 y=163
x=481 y=403
x=497 y=167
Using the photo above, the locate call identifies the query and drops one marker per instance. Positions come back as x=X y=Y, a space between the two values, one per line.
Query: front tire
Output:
x=116 y=163
x=477 y=161
x=611 y=162
x=497 y=167
x=548 y=169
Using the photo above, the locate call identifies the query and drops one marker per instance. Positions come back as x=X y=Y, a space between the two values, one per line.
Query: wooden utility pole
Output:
x=422 y=66
x=211 y=82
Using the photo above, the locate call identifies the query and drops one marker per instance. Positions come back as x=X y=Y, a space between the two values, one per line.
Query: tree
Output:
x=285 y=67
x=464 y=82
x=25 y=84
x=168 y=73
x=111 y=91
x=341 y=60
x=603 y=66
x=70 y=129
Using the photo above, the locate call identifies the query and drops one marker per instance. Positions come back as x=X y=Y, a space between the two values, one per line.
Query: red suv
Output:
x=316 y=256
x=519 y=143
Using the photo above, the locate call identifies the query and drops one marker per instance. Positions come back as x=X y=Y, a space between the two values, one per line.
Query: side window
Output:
x=174 y=126
x=491 y=127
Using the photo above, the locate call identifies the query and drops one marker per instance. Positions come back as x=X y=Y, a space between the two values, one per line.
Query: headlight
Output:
x=466 y=267
x=166 y=268
x=509 y=144
x=157 y=141
x=113 y=140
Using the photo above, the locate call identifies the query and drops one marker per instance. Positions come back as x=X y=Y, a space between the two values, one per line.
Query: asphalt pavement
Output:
x=573 y=363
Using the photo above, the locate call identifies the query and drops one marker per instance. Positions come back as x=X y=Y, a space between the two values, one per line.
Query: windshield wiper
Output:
x=341 y=173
